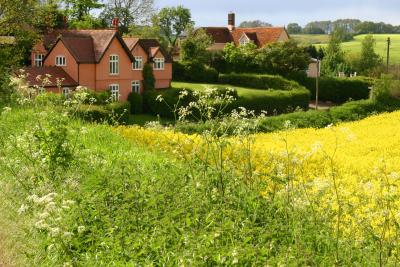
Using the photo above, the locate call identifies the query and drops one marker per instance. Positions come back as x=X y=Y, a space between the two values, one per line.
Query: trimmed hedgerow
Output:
x=136 y=103
x=194 y=72
x=256 y=81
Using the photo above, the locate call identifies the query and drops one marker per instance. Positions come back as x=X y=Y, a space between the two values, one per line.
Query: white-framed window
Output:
x=244 y=40
x=159 y=63
x=138 y=64
x=66 y=91
x=39 y=60
x=114 y=89
x=136 y=87
x=61 y=61
x=114 y=65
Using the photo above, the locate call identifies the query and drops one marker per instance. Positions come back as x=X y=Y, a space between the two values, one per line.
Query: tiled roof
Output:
x=150 y=46
x=55 y=72
x=87 y=46
x=260 y=36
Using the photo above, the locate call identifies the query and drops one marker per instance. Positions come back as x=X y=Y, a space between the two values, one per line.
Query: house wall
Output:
x=163 y=77
x=126 y=74
x=138 y=51
x=61 y=50
x=87 y=75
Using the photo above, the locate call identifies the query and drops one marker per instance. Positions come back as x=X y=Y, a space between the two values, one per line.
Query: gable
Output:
x=58 y=49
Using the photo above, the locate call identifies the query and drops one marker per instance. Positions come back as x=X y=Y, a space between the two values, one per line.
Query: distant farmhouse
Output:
x=240 y=36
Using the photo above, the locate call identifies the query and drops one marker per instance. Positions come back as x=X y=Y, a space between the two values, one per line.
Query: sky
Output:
x=283 y=12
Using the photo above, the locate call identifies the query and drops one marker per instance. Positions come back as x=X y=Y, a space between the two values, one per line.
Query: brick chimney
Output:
x=231 y=21
x=115 y=23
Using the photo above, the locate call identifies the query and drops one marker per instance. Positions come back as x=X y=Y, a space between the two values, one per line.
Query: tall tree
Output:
x=333 y=61
x=48 y=16
x=294 y=28
x=173 y=21
x=254 y=24
x=194 y=47
x=78 y=9
x=129 y=12
x=369 y=59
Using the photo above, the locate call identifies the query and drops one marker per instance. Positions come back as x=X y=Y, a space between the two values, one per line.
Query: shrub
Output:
x=111 y=113
x=136 y=103
x=337 y=90
x=258 y=81
x=49 y=98
x=194 y=72
x=148 y=77
x=101 y=98
x=171 y=99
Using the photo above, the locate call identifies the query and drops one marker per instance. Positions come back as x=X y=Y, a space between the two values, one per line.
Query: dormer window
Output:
x=39 y=60
x=61 y=61
x=159 y=64
x=138 y=64
x=114 y=65
x=244 y=40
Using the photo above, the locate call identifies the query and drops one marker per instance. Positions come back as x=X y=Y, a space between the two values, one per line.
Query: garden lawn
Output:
x=242 y=91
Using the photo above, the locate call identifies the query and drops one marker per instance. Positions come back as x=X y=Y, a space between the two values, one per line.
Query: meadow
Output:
x=354 y=46
x=81 y=194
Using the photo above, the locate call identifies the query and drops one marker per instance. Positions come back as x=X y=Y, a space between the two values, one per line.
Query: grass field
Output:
x=354 y=46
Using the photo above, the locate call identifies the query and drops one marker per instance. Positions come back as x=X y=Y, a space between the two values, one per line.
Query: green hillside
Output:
x=354 y=46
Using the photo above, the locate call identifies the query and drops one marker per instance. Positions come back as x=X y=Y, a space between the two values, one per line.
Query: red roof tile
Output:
x=261 y=36
x=55 y=72
x=150 y=46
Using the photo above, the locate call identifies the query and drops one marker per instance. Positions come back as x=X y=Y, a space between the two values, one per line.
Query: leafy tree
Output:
x=148 y=77
x=144 y=31
x=313 y=30
x=283 y=58
x=294 y=28
x=369 y=59
x=88 y=22
x=129 y=12
x=194 y=47
x=173 y=21
x=254 y=24
x=80 y=9
x=313 y=52
x=333 y=61
x=242 y=58
x=48 y=16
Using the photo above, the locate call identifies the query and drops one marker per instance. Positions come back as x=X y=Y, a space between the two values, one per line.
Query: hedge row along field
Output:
x=274 y=94
x=346 y=177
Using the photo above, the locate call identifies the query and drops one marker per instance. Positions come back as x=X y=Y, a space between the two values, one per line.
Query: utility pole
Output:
x=317 y=83
x=388 y=54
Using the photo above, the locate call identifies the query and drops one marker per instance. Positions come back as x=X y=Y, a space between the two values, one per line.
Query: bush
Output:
x=102 y=98
x=136 y=103
x=148 y=77
x=337 y=90
x=111 y=113
x=49 y=99
x=274 y=101
x=194 y=72
x=165 y=108
x=258 y=81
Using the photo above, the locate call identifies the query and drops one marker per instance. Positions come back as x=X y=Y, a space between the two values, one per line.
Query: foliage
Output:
x=47 y=17
x=294 y=28
x=149 y=81
x=254 y=24
x=334 y=61
x=129 y=12
x=194 y=47
x=263 y=82
x=369 y=59
x=173 y=21
x=241 y=58
x=87 y=22
x=136 y=103
x=193 y=71
x=385 y=89
x=80 y=9
x=313 y=52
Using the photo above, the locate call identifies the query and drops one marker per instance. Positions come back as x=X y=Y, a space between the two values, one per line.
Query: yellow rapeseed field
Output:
x=349 y=172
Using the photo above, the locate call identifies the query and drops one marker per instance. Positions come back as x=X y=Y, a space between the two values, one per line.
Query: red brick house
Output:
x=240 y=36
x=100 y=60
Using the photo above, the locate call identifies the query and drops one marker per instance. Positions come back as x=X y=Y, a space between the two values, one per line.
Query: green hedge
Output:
x=274 y=101
x=256 y=81
x=110 y=113
x=165 y=108
x=136 y=103
x=193 y=72
x=351 y=111
x=337 y=90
